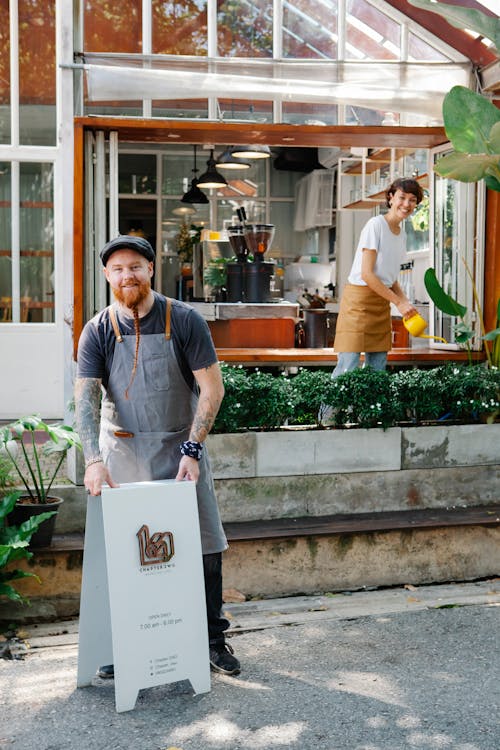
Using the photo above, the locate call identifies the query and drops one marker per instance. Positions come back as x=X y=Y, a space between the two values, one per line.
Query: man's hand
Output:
x=95 y=476
x=189 y=468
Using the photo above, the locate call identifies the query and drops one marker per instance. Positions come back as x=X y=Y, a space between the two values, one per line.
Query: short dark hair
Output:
x=407 y=185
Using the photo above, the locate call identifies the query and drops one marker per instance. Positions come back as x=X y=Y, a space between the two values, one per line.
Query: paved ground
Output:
x=383 y=670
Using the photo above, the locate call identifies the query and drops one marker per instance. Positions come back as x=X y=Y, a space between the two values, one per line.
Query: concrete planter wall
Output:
x=262 y=475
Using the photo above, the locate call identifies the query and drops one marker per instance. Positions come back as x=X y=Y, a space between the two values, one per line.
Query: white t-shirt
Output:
x=391 y=251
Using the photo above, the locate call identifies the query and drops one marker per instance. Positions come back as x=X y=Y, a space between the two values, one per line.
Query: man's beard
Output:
x=132 y=296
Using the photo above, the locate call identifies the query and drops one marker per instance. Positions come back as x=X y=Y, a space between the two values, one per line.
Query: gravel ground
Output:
x=423 y=679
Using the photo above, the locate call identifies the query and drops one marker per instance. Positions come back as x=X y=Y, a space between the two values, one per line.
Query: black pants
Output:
x=217 y=624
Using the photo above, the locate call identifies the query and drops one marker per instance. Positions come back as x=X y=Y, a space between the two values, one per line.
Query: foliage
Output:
x=420 y=393
x=465 y=18
x=187 y=237
x=311 y=394
x=463 y=331
x=362 y=398
x=14 y=541
x=472 y=123
x=215 y=274
x=60 y=438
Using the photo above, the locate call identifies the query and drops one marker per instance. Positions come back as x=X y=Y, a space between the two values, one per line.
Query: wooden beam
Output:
x=472 y=48
x=491 y=259
x=78 y=233
x=223 y=133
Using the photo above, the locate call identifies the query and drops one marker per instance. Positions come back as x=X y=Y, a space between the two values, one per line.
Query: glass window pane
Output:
x=37 y=242
x=113 y=27
x=309 y=114
x=418 y=50
x=4 y=73
x=242 y=109
x=137 y=173
x=245 y=29
x=283 y=181
x=286 y=242
x=114 y=109
x=37 y=72
x=191 y=109
x=370 y=34
x=178 y=165
x=310 y=29
x=179 y=28
x=5 y=244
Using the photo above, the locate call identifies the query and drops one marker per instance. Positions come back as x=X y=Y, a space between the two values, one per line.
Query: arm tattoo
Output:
x=88 y=414
x=204 y=419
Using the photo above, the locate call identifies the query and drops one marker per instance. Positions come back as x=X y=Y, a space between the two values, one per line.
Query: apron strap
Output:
x=167 y=319
x=114 y=323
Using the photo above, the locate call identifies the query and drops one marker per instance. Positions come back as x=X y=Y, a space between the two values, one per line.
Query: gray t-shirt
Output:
x=191 y=338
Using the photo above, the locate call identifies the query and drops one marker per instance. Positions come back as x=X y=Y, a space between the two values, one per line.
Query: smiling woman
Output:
x=364 y=322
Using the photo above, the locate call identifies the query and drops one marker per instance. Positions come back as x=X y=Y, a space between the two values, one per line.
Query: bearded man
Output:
x=147 y=391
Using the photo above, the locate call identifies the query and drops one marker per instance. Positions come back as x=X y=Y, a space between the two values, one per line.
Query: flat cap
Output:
x=127 y=242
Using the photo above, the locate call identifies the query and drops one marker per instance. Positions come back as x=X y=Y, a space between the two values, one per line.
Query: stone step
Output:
x=307 y=555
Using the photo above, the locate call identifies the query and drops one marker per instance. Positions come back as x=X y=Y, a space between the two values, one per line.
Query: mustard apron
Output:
x=364 y=322
x=140 y=436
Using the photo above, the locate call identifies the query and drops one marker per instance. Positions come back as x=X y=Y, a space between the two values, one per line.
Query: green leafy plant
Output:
x=14 y=541
x=463 y=331
x=27 y=462
x=362 y=398
x=472 y=123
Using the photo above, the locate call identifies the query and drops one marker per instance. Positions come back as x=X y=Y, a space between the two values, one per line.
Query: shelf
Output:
x=375 y=199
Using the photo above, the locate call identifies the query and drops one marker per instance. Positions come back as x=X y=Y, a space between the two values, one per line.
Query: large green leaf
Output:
x=464 y=18
x=492 y=183
x=7 y=503
x=491 y=335
x=441 y=299
x=468 y=120
x=466 y=167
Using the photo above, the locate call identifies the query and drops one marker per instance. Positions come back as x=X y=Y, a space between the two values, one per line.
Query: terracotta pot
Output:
x=24 y=510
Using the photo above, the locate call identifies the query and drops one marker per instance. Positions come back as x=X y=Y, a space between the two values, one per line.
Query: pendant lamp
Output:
x=194 y=194
x=254 y=151
x=226 y=160
x=211 y=178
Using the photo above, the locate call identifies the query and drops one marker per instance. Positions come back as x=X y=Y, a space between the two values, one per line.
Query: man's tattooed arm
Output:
x=88 y=415
x=211 y=394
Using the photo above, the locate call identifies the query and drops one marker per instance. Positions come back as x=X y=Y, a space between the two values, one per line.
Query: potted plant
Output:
x=18 y=444
x=14 y=541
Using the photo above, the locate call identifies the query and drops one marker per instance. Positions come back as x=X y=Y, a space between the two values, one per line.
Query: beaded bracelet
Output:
x=94 y=460
x=192 y=449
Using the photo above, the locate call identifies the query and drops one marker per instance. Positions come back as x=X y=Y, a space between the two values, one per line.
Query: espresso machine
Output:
x=250 y=281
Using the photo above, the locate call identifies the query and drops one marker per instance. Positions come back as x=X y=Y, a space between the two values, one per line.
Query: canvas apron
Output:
x=140 y=436
x=364 y=322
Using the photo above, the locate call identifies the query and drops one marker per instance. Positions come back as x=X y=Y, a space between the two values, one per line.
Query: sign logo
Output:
x=156 y=548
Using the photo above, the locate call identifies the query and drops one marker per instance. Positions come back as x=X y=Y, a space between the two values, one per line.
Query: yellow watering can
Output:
x=416 y=326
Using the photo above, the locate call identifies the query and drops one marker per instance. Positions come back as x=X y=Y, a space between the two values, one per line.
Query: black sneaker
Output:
x=107 y=672
x=222 y=659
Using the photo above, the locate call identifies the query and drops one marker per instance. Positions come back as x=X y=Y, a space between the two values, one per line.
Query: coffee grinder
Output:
x=250 y=281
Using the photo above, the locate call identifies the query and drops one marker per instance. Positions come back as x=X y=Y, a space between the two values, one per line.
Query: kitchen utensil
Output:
x=416 y=325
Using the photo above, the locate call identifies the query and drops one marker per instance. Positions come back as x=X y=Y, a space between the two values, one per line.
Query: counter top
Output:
x=231 y=310
x=429 y=357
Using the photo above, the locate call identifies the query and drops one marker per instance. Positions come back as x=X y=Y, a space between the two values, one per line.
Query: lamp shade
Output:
x=184 y=210
x=194 y=194
x=254 y=151
x=211 y=178
x=226 y=160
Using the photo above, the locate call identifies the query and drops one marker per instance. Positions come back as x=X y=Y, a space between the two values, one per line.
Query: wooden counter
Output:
x=327 y=357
